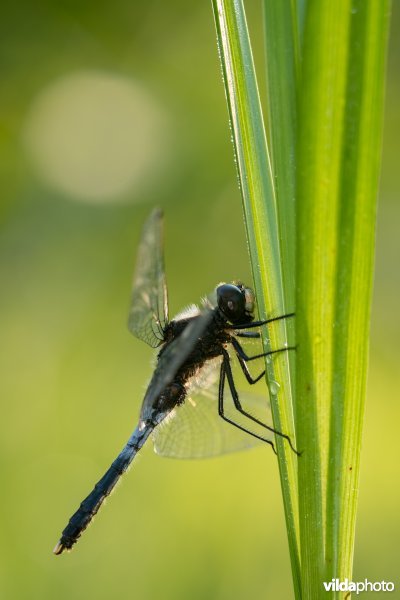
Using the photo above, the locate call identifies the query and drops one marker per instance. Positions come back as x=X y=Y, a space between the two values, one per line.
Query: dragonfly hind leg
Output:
x=221 y=411
x=226 y=371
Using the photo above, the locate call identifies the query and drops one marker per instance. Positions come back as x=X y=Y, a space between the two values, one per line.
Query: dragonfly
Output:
x=194 y=363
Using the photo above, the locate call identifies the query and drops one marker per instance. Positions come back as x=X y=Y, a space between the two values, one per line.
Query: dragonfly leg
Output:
x=242 y=354
x=259 y=323
x=251 y=380
x=242 y=362
x=248 y=334
x=222 y=413
x=238 y=406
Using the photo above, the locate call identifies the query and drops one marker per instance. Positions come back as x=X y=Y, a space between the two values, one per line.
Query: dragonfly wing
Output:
x=148 y=314
x=171 y=359
x=195 y=430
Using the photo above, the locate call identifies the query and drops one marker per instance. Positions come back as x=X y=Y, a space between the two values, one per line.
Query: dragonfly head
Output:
x=236 y=302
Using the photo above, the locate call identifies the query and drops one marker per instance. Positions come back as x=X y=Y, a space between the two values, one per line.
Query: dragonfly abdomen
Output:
x=103 y=488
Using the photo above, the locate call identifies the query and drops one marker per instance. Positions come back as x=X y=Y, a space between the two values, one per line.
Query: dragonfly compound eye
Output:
x=231 y=301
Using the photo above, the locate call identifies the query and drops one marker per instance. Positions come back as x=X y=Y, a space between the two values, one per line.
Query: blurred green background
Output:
x=107 y=109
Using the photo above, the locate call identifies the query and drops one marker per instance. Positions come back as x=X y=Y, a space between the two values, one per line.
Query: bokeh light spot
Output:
x=96 y=136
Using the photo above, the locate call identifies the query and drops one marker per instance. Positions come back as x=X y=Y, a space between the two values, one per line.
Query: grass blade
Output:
x=282 y=60
x=319 y=151
x=325 y=134
x=338 y=158
x=360 y=160
x=262 y=231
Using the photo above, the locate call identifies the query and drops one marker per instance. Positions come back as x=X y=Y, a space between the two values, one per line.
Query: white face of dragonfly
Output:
x=250 y=300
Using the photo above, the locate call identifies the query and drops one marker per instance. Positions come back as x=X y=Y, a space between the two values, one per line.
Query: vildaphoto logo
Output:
x=336 y=585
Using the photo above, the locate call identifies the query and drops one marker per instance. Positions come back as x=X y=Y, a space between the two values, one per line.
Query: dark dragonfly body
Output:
x=188 y=344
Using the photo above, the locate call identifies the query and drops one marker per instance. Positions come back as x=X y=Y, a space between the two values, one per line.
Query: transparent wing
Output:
x=195 y=430
x=148 y=312
x=171 y=359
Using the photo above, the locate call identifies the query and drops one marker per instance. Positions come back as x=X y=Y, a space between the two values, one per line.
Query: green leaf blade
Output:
x=339 y=150
x=260 y=211
x=360 y=170
x=282 y=60
x=325 y=135
x=319 y=154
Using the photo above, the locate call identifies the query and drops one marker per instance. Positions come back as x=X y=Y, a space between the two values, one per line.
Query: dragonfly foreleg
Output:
x=259 y=323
